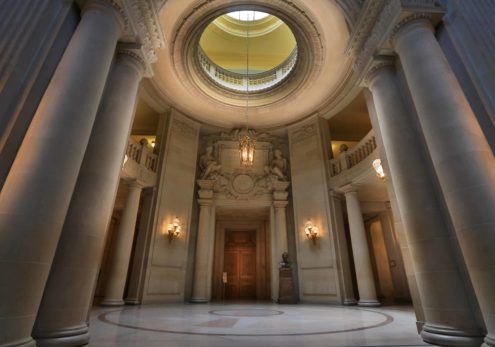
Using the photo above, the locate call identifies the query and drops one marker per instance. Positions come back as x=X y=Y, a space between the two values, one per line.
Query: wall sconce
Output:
x=174 y=229
x=311 y=231
x=377 y=165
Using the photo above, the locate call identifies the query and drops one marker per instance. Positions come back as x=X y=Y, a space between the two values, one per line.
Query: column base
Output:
x=369 y=303
x=112 y=302
x=489 y=341
x=67 y=338
x=350 y=302
x=198 y=300
x=132 y=302
x=28 y=342
x=450 y=337
x=419 y=326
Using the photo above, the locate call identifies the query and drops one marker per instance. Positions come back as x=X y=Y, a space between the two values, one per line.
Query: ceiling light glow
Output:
x=247 y=15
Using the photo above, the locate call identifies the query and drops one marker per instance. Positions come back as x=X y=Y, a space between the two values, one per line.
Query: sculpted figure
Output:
x=285 y=260
x=278 y=166
x=208 y=165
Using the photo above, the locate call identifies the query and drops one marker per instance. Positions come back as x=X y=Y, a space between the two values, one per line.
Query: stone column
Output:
x=396 y=217
x=360 y=250
x=279 y=232
x=69 y=291
x=203 y=260
x=137 y=274
x=281 y=225
x=120 y=252
x=449 y=319
x=461 y=156
x=337 y=220
x=38 y=189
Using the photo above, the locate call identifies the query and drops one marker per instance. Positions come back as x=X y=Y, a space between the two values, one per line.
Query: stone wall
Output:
x=167 y=260
x=317 y=264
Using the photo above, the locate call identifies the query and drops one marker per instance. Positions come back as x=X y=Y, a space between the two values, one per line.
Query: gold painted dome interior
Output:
x=247 y=42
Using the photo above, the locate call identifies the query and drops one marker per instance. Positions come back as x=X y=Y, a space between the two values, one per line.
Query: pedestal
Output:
x=286 y=294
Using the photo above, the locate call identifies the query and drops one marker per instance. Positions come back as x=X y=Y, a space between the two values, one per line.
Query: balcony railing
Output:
x=140 y=164
x=239 y=82
x=350 y=158
x=141 y=155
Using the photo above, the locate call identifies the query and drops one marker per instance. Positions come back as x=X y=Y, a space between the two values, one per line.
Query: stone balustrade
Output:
x=140 y=164
x=348 y=159
x=239 y=82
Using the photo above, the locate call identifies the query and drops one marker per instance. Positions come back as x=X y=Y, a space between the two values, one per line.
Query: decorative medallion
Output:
x=243 y=184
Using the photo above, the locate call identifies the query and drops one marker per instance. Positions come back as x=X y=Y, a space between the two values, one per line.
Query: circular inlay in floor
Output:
x=247 y=313
x=246 y=320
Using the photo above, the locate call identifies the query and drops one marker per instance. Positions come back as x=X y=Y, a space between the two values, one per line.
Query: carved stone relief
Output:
x=303 y=133
x=220 y=165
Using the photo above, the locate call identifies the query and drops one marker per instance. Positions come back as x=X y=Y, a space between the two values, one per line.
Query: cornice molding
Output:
x=363 y=26
x=378 y=21
x=141 y=28
x=351 y=9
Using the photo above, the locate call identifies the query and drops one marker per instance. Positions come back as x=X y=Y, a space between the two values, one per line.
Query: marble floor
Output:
x=259 y=325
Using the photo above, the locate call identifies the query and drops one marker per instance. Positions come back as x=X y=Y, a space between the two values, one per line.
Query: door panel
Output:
x=247 y=274
x=231 y=265
x=240 y=265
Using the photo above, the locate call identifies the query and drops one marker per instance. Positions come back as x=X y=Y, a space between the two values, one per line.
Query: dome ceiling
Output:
x=322 y=81
x=226 y=42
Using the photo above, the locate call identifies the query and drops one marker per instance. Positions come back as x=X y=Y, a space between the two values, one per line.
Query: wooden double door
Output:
x=239 y=265
x=242 y=256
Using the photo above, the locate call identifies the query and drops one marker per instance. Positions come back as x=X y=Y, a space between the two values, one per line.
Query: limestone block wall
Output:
x=317 y=263
x=167 y=261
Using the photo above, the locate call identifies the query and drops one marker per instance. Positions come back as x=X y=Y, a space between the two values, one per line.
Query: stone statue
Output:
x=285 y=261
x=343 y=148
x=208 y=165
x=278 y=166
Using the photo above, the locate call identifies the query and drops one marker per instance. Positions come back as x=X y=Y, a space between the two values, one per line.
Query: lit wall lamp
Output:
x=311 y=231
x=174 y=229
x=377 y=165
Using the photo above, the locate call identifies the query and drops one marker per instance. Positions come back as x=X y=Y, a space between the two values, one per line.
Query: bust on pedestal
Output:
x=286 y=283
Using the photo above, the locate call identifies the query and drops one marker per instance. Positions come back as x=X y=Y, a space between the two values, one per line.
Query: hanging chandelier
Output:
x=247 y=142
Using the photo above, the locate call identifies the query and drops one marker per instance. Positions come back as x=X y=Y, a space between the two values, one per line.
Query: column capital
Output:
x=372 y=29
x=140 y=25
x=205 y=202
x=385 y=62
x=335 y=194
x=134 y=184
x=111 y=7
x=131 y=57
x=349 y=189
x=417 y=20
x=280 y=204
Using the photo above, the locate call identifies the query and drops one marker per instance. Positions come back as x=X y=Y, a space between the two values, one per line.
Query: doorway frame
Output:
x=263 y=256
